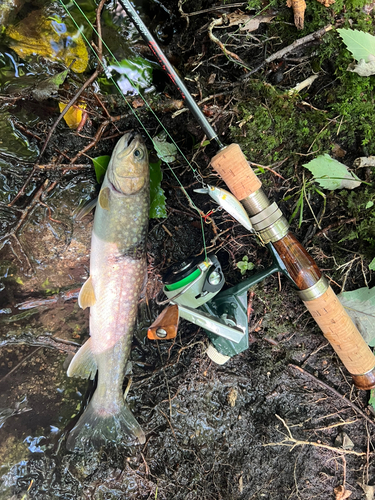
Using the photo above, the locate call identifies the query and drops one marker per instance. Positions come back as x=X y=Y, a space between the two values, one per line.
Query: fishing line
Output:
x=110 y=77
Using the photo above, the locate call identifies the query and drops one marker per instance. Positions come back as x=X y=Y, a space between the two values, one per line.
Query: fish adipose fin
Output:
x=83 y=364
x=86 y=297
x=97 y=428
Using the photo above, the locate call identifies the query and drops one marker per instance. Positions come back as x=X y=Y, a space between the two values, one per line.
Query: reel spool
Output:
x=194 y=282
x=191 y=286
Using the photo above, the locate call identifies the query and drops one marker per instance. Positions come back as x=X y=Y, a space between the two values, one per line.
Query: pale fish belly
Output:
x=117 y=289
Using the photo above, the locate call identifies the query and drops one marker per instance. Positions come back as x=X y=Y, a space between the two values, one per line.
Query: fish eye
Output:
x=138 y=153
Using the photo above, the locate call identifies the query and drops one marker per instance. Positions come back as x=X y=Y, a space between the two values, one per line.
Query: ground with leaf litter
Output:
x=281 y=420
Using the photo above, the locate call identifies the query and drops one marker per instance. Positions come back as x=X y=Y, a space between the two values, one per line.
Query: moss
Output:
x=274 y=122
x=354 y=101
x=360 y=205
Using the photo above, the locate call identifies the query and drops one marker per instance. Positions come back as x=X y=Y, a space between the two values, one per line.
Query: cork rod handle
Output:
x=326 y=309
x=344 y=337
x=232 y=166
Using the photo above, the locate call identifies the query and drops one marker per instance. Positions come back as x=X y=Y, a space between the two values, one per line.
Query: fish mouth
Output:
x=114 y=188
x=130 y=137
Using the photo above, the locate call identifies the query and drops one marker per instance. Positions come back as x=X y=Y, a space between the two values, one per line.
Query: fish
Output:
x=118 y=273
x=230 y=203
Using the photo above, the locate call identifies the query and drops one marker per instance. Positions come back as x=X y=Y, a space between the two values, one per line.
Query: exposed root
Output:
x=292 y=442
x=227 y=53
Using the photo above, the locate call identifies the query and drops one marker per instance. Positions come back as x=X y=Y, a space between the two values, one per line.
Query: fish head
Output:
x=128 y=170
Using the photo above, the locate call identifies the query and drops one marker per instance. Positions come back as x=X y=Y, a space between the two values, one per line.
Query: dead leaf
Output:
x=246 y=22
x=232 y=396
x=240 y=484
x=343 y=441
x=369 y=491
x=363 y=68
x=299 y=7
x=326 y=3
x=138 y=103
x=337 y=151
x=368 y=7
x=364 y=161
x=74 y=115
x=341 y=493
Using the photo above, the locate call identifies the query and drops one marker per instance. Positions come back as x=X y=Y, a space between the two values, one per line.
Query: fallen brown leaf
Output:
x=246 y=22
x=326 y=3
x=369 y=491
x=299 y=7
x=341 y=493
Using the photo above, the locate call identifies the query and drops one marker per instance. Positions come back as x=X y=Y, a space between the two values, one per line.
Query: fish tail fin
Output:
x=97 y=427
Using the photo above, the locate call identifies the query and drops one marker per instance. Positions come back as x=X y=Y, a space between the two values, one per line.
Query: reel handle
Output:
x=319 y=298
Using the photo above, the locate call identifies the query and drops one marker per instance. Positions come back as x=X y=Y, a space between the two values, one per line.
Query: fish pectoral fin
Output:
x=83 y=364
x=81 y=212
x=86 y=297
x=104 y=198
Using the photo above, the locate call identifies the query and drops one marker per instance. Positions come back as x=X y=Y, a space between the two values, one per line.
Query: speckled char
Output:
x=117 y=276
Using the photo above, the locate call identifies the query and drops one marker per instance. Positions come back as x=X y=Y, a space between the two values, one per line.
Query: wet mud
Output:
x=265 y=425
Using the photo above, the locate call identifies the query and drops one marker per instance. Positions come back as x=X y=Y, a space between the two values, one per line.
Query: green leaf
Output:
x=49 y=86
x=360 y=305
x=360 y=44
x=369 y=204
x=331 y=174
x=157 y=198
x=244 y=265
x=204 y=144
x=371 y=266
x=371 y=401
x=165 y=150
x=100 y=166
x=135 y=73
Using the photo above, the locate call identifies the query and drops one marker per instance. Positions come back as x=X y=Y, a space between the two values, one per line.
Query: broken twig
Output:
x=281 y=53
x=333 y=391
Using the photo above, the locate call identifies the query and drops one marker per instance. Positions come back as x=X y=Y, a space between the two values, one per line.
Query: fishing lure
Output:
x=227 y=201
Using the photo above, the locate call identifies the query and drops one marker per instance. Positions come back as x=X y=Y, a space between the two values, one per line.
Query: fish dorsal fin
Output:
x=83 y=365
x=86 y=297
x=104 y=198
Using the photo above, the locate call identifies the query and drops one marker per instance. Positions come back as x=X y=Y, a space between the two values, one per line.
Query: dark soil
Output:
x=256 y=427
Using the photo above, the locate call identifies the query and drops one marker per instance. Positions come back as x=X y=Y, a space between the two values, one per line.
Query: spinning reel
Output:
x=193 y=288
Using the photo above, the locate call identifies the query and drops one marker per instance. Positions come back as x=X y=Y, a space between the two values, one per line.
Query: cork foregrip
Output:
x=232 y=166
x=341 y=333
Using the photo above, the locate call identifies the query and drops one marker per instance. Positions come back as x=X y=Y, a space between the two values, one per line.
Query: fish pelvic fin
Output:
x=97 y=428
x=83 y=364
x=86 y=297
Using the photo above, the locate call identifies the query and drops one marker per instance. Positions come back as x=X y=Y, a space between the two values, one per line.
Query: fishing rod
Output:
x=273 y=230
